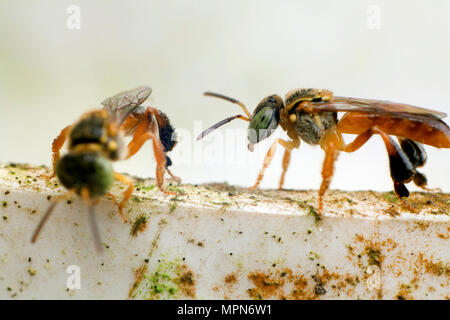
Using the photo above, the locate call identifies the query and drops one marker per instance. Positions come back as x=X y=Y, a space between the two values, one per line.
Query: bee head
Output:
x=264 y=119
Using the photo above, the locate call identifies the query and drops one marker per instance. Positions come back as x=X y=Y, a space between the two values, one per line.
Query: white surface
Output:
x=212 y=236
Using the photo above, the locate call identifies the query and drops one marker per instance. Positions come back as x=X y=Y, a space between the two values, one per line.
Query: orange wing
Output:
x=380 y=107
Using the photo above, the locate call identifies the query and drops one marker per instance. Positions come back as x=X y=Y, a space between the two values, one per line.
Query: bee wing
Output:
x=123 y=103
x=346 y=104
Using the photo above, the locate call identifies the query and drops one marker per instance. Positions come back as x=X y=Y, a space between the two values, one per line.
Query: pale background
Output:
x=49 y=75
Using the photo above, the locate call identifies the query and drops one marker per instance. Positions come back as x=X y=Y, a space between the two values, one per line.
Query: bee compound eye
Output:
x=262 y=124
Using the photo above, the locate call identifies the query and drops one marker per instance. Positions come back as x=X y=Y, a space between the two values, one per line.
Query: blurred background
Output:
x=54 y=66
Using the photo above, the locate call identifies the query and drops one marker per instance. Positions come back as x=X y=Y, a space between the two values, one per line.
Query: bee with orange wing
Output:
x=311 y=115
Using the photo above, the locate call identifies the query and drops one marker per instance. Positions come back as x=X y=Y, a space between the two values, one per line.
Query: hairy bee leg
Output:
x=402 y=170
x=268 y=159
x=414 y=151
x=160 y=157
x=85 y=195
x=114 y=200
x=177 y=179
x=286 y=162
x=48 y=213
x=126 y=194
x=420 y=180
x=94 y=227
x=136 y=144
x=141 y=134
x=57 y=144
x=418 y=157
x=400 y=167
x=359 y=141
x=168 y=164
x=331 y=154
x=148 y=129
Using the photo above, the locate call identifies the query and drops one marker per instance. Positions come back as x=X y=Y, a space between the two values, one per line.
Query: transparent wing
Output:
x=123 y=103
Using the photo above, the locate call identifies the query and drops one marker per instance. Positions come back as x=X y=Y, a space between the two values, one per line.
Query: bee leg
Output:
x=116 y=203
x=414 y=151
x=418 y=157
x=177 y=179
x=160 y=157
x=92 y=221
x=126 y=194
x=286 y=162
x=113 y=198
x=148 y=129
x=140 y=136
x=269 y=156
x=94 y=226
x=136 y=144
x=48 y=213
x=402 y=170
x=420 y=180
x=168 y=164
x=57 y=144
x=330 y=145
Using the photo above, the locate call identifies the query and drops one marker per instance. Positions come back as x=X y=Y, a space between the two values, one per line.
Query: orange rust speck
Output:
x=186 y=281
x=231 y=279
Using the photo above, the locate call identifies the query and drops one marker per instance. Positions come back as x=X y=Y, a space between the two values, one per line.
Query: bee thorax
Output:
x=311 y=128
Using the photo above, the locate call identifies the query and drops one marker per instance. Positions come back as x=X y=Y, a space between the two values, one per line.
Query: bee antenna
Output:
x=44 y=220
x=219 y=124
x=94 y=226
x=232 y=100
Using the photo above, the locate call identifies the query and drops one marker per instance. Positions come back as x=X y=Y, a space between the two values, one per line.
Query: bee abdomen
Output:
x=89 y=170
x=88 y=130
